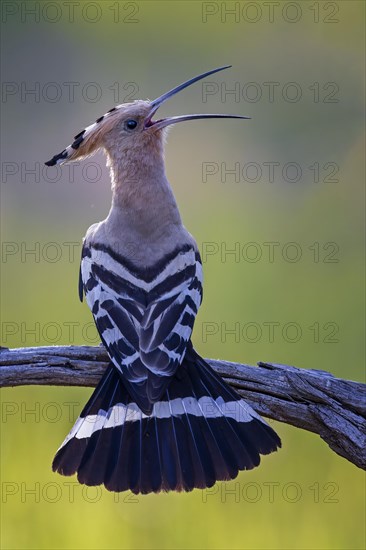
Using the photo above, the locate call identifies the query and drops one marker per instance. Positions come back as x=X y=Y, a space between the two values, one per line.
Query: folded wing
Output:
x=145 y=318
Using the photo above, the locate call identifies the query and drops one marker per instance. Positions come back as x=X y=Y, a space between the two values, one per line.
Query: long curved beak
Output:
x=162 y=123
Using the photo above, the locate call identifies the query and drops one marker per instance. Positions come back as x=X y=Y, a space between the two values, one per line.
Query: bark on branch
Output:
x=313 y=400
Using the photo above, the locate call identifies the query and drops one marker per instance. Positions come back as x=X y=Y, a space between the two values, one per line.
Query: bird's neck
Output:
x=142 y=198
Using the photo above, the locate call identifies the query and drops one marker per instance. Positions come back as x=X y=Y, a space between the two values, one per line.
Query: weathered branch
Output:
x=313 y=400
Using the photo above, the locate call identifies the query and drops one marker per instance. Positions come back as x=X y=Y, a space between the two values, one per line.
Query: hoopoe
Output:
x=160 y=419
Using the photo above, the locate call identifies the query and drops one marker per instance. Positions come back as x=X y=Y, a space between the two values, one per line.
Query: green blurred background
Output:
x=305 y=496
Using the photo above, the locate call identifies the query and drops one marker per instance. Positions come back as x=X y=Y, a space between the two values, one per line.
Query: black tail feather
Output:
x=117 y=478
x=94 y=461
x=200 y=432
x=151 y=468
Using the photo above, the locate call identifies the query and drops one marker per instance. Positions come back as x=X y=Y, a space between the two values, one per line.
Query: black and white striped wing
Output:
x=168 y=321
x=144 y=319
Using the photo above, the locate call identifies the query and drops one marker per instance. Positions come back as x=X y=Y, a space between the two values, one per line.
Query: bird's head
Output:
x=130 y=127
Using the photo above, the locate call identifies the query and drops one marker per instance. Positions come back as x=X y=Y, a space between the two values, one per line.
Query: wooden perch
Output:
x=313 y=400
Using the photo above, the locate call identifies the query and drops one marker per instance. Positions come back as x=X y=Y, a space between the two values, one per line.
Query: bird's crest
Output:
x=88 y=139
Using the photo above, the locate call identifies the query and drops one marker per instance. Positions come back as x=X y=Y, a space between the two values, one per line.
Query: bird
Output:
x=160 y=419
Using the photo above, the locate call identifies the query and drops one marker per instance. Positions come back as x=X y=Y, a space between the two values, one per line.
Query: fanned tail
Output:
x=199 y=432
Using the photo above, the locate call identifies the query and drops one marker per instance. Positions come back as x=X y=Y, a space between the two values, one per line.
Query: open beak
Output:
x=162 y=123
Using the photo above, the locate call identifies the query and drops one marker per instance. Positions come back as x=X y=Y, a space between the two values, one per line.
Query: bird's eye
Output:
x=130 y=124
